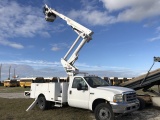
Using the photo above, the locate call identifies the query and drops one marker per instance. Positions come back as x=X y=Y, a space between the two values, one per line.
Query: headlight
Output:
x=118 y=98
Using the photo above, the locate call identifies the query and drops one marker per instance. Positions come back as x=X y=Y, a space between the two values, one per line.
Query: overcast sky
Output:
x=125 y=40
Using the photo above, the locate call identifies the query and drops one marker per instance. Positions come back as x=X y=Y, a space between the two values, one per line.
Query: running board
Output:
x=32 y=105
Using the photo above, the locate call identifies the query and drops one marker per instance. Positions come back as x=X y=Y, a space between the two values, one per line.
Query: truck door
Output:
x=78 y=98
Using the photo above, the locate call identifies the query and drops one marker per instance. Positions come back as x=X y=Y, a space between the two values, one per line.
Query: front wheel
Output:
x=103 y=111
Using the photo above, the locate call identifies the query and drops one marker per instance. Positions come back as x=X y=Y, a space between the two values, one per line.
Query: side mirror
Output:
x=86 y=87
x=79 y=87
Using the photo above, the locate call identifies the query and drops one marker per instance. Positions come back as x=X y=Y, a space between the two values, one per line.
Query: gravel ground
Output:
x=150 y=113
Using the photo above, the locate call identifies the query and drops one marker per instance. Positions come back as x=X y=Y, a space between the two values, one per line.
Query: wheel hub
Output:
x=104 y=114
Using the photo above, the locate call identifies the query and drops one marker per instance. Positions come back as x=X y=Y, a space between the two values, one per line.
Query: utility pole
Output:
x=0 y=72
x=14 y=74
x=9 y=72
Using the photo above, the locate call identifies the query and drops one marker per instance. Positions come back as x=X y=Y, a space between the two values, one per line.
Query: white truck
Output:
x=87 y=92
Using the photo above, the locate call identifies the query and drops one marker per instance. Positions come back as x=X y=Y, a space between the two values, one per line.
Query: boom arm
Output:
x=83 y=33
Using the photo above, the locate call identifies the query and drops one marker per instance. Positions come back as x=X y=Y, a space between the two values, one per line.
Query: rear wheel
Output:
x=103 y=111
x=42 y=103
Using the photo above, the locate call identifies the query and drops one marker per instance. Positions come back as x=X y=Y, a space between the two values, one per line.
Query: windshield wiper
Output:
x=101 y=85
x=96 y=86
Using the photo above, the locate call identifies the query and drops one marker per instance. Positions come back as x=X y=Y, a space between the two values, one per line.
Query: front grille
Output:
x=130 y=97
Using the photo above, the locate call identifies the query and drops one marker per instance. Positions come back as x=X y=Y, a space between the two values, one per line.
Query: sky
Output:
x=125 y=40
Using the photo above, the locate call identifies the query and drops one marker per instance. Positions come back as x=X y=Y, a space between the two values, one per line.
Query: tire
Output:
x=142 y=103
x=42 y=103
x=103 y=111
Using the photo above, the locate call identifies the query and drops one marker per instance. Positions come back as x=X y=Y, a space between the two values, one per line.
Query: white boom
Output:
x=83 y=33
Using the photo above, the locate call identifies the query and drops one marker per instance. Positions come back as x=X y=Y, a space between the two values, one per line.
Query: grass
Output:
x=12 y=89
x=14 y=109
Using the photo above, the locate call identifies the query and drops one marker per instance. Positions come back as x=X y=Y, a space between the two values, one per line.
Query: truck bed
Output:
x=153 y=78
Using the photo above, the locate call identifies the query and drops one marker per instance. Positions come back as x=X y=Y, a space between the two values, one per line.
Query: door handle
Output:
x=70 y=92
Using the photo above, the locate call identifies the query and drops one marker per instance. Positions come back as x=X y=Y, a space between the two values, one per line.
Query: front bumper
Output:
x=125 y=107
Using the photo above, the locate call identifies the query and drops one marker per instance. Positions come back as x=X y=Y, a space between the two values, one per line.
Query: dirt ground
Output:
x=149 y=113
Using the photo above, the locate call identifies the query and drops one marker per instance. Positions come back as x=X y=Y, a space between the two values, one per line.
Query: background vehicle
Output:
x=26 y=82
x=10 y=83
x=55 y=79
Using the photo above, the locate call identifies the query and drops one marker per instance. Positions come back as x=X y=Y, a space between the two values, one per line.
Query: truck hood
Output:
x=115 y=89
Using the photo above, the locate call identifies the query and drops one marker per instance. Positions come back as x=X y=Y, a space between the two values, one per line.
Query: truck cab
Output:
x=88 y=91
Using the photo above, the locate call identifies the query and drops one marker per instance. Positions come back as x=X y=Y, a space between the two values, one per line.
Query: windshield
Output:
x=96 y=81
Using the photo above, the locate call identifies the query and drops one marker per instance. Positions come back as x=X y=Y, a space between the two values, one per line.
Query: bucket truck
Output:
x=87 y=92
